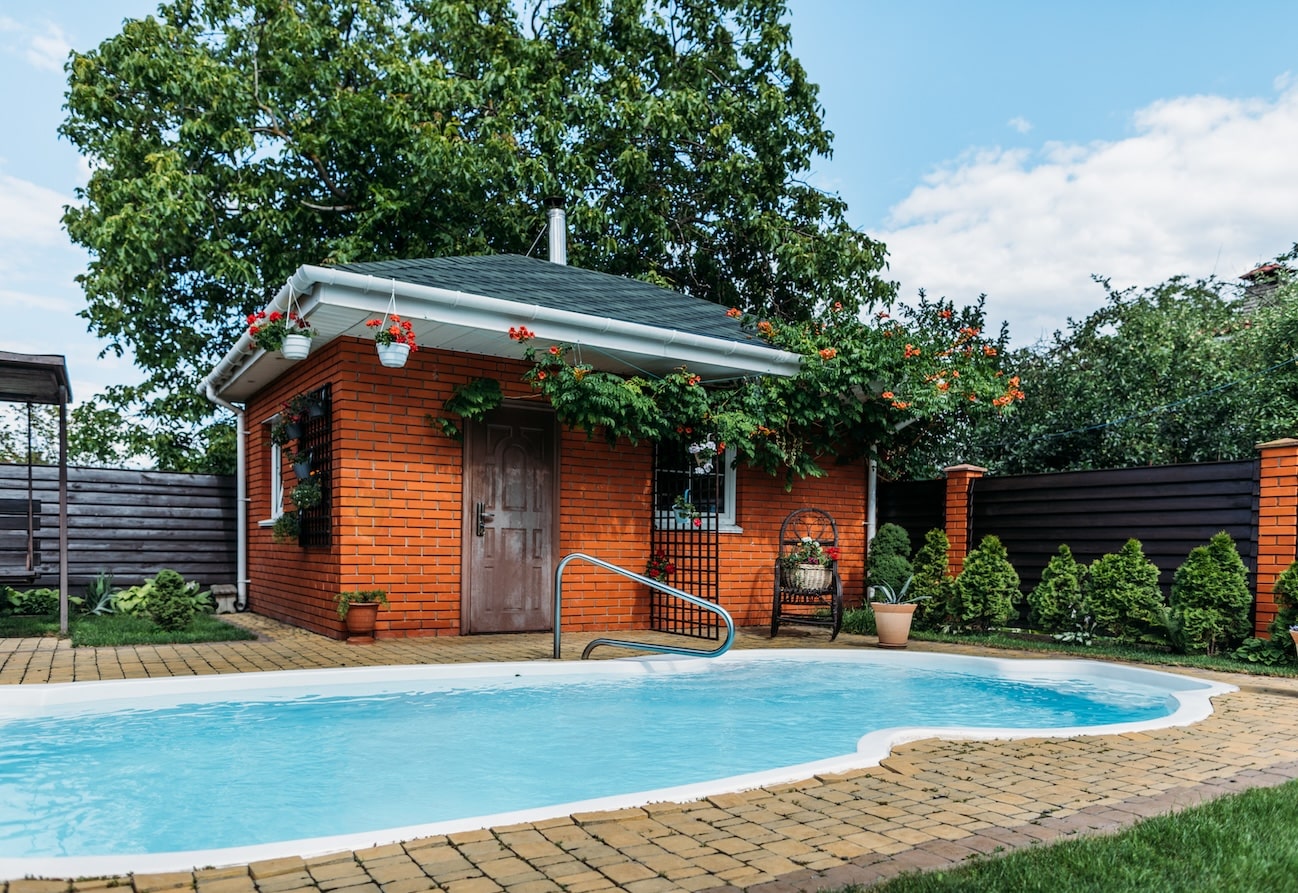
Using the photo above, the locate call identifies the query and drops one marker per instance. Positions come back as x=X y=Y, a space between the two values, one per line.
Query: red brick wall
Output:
x=1277 y=546
x=397 y=506
x=959 y=485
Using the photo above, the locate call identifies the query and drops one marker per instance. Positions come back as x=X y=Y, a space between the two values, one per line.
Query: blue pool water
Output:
x=121 y=776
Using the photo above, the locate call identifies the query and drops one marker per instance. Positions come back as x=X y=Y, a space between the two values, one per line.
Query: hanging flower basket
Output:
x=295 y=347
x=393 y=355
x=301 y=464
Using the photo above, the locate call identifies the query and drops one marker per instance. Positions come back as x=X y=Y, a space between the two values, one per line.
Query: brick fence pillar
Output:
x=959 y=486
x=1277 y=520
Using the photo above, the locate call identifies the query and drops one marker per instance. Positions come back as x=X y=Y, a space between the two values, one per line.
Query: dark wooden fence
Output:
x=916 y=506
x=128 y=523
x=1170 y=509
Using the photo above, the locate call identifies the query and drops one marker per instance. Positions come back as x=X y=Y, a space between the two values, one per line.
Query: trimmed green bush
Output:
x=169 y=605
x=932 y=577
x=1056 y=604
x=1122 y=592
x=984 y=594
x=888 y=558
x=1211 y=598
x=1286 y=603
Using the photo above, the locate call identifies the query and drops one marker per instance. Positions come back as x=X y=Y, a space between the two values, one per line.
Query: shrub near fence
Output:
x=131 y=524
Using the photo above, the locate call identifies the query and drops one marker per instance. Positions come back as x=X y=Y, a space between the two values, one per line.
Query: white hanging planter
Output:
x=393 y=355
x=295 y=347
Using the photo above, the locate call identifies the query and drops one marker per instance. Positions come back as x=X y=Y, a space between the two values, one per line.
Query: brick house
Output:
x=464 y=534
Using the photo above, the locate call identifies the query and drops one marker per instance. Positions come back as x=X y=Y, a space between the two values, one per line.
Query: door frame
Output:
x=473 y=428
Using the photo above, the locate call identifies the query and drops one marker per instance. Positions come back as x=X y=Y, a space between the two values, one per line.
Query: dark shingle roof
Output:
x=526 y=280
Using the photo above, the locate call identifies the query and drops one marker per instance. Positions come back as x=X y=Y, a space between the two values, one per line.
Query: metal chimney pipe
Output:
x=557 y=227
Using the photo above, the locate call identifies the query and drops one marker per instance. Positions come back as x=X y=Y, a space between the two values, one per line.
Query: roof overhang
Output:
x=34 y=378
x=339 y=302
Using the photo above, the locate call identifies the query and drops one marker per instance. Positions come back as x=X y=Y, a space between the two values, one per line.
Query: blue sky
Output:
x=1012 y=149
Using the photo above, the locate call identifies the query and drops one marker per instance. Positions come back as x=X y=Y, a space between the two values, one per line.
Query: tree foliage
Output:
x=1122 y=593
x=984 y=594
x=1184 y=371
x=888 y=558
x=233 y=140
x=932 y=565
x=1210 y=598
x=1055 y=604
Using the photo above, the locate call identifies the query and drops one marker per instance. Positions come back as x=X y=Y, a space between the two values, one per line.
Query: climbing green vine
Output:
x=862 y=381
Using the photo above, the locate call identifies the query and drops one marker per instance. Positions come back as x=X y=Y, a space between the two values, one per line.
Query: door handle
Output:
x=481 y=517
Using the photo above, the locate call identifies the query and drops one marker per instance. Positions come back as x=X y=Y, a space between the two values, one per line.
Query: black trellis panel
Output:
x=691 y=544
x=314 y=524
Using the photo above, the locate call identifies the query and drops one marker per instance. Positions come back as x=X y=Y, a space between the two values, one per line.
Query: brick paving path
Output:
x=929 y=804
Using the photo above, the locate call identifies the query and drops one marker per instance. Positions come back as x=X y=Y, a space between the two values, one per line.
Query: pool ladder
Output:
x=652 y=584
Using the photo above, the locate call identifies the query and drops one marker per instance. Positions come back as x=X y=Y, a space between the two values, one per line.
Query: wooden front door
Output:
x=510 y=522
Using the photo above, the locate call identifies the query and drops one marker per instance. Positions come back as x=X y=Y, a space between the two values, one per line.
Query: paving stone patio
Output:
x=929 y=804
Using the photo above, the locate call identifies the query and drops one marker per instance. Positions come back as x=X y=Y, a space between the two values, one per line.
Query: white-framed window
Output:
x=275 y=474
x=707 y=492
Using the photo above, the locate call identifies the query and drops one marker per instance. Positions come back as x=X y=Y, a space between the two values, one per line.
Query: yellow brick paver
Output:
x=929 y=803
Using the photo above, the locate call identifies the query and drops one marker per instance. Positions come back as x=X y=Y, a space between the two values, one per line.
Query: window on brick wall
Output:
x=275 y=475
x=709 y=491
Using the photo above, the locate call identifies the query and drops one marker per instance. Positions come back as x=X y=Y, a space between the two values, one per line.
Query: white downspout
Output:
x=240 y=494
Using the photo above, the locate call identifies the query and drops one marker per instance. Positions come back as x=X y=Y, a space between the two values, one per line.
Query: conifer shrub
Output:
x=984 y=594
x=932 y=578
x=1286 y=602
x=170 y=606
x=1121 y=590
x=1210 y=598
x=888 y=559
x=1056 y=604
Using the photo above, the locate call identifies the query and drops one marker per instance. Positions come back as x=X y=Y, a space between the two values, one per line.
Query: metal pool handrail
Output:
x=652 y=584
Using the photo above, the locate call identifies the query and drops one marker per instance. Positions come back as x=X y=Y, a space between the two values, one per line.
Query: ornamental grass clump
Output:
x=1122 y=593
x=984 y=594
x=1211 y=598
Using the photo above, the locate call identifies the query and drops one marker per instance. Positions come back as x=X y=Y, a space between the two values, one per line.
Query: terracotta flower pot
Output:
x=893 y=623
x=1293 y=634
x=360 y=620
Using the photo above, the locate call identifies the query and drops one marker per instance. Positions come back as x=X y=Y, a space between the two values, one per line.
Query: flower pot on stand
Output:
x=295 y=347
x=302 y=467
x=892 y=621
x=360 y=620
x=393 y=355
x=1293 y=634
x=811 y=576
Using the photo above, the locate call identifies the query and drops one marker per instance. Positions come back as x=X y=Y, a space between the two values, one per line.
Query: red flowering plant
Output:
x=268 y=330
x=810 y=551
x=660 y=567
x=393 y=330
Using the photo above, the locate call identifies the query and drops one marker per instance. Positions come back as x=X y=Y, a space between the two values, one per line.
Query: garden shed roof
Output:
x=468 y=304
x=34 y=378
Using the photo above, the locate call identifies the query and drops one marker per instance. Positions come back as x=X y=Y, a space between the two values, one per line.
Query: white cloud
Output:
x=50 y=50
x=1020 y=124
x=1205 y=185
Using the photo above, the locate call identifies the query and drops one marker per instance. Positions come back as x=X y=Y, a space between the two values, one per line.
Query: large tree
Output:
x=232 y=140
x=1183 y=371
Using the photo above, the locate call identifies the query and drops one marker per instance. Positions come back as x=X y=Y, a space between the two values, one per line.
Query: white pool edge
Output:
x=1192 y=694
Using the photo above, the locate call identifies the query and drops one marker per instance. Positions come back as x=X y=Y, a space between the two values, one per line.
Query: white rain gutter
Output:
x=228 y=363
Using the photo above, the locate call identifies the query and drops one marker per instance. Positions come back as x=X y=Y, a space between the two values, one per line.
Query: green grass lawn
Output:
x=120 y=629
x=1244 y=843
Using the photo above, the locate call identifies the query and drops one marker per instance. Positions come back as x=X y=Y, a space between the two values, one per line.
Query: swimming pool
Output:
x=161 y=775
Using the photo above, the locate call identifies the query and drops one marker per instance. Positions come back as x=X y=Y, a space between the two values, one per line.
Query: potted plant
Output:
x=810 y=565
x=359 y=610
x=704 y=452
x=893 y=613
x=307 y=494
x=685 y=511
x=287 y=333
x=660 y=567
x=1293 y=634
x=394 y=339
x=301 y=462
x=285 y=529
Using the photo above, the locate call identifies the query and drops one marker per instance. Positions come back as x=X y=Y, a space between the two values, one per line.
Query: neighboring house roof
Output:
x=468 y=304
x=1263 y=283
